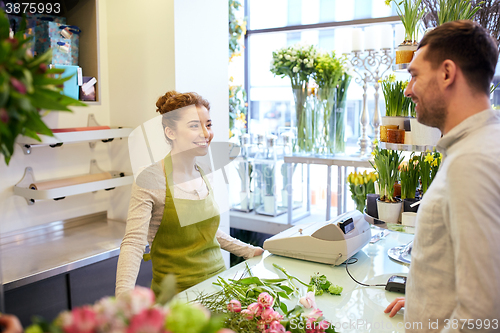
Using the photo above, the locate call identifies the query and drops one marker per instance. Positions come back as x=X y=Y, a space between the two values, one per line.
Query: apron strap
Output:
x=146 y=256
x=205 y=179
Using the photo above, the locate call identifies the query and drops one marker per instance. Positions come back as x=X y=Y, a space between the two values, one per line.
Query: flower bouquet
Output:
x=134 y=312
x=328 y=74
x=360 y=185
x=298 y=63
x=254 y=305
x=27 y=86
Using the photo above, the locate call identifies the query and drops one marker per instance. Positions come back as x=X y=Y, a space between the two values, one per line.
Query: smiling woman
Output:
x=173 y=207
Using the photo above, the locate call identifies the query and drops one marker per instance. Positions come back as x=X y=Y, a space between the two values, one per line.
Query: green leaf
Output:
x=31 y=134
x=283 y=295
x=42 y=101
x=272 y=280
x=35 y=123
x=283 y=307
x=4 y=26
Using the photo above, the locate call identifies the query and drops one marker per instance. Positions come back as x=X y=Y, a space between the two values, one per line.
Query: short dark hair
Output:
x=469 y=46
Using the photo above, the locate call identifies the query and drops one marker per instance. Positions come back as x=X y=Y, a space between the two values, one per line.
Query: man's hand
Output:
x=395 y=306
x=11 y=324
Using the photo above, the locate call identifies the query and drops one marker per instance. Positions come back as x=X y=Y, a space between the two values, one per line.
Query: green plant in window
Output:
x=453 y=10
x=386 y=163
x=27 y=87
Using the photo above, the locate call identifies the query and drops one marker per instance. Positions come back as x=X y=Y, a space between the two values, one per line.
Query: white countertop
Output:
x=359 y=308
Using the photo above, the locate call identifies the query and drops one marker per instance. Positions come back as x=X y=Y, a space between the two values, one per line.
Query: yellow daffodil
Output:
x=435 y=162
x=230 y=134
x=356 y=181
x=429 y=158
x=387 y=2
x=391 y=78
x=365 y=179
x=360 y=180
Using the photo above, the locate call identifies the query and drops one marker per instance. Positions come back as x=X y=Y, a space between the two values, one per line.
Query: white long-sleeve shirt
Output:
x=144 y=217
x=455 y=268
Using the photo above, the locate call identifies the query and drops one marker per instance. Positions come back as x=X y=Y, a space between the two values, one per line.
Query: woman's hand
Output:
x=10 y=324
x=395 y=306
x=258 y=251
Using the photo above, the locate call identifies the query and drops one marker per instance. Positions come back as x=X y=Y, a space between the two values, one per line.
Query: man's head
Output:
x=455 y=58
x=469 y=46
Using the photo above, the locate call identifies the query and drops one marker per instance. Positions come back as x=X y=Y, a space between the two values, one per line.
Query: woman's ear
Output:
x=169 y=133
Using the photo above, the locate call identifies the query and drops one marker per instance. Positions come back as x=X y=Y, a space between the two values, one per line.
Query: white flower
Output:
x=295 y=69
x=308 y=301
x=294 y=52
x=309 y=65
x=280 y=56
x=306 y=61
x=299 y=61
x=293 y=58
x=287 y=57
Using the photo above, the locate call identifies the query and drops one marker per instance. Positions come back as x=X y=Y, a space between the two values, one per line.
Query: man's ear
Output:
x=169 y=133
x=448 y=73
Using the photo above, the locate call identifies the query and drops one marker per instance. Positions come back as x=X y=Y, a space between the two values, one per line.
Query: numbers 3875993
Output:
x=33 y=8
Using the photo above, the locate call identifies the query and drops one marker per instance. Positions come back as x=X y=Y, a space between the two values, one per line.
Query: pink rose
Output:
x=147 y=321
x=234 y=306
x=247 y=314
x=269 y=315
x=265 y=299
x=308 y=301
x=314 y=314
x=80 y=320
x=136 y=300
x=256 y=309
x=276 y=326
x=261 y=325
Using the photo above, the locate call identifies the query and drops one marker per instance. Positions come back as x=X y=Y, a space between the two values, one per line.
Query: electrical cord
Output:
x=347 y=263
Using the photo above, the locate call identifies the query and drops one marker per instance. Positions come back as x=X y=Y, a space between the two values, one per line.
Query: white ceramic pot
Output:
x=389 y=211
x=244 y=200
x=270 y=204
x=409 y=218
x=400 y=121
x=408 y=138
x=422 y=134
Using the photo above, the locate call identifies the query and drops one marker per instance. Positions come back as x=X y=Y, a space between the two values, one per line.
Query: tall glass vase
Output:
x=303 y=144
x=338 y=120
x=323 y=108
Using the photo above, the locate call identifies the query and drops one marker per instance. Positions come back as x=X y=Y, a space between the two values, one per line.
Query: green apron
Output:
x=189 y=251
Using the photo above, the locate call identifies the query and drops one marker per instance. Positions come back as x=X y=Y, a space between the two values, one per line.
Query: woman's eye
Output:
x=193 y=126
x=209 y=125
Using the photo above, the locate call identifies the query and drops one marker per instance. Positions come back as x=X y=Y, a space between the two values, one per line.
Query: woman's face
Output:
x=194 y=131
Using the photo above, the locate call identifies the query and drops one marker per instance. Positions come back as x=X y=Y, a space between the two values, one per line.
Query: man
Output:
x=453 y=279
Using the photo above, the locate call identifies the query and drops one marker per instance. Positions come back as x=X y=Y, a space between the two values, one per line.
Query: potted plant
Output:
x=429 y=165
x=361 y=184
x=410 y=12
x=328 y=74
x=397 y=106
x=386 y=163
x=410 y=175
x=298 y=63
x=27 y=88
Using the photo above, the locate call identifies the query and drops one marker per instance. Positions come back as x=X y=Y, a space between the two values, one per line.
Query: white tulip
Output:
x=295 y=69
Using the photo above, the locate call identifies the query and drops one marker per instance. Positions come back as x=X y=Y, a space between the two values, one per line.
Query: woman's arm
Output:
x=237 y=247
x=135 y=239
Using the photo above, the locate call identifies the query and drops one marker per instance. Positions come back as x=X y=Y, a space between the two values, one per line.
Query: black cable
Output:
x=347 y=263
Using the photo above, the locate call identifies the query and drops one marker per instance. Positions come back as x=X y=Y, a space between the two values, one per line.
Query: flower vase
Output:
x=324 y=106
x=303 y=144
x=337 y=128
x=389 y=212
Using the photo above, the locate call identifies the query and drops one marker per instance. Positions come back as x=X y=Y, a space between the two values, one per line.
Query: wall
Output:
x=144 y=51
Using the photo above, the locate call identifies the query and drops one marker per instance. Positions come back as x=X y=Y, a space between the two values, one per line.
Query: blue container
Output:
x=71 y=87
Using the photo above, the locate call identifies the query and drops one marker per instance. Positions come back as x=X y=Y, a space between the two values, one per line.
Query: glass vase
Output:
x=304 y=143
x=338 y=121
x=323 y=109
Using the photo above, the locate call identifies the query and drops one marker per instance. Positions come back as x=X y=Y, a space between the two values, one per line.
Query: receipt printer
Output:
x=330 y=242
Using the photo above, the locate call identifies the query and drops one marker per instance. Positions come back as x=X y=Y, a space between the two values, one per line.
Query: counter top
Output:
x=359 y=308
x=57 y=248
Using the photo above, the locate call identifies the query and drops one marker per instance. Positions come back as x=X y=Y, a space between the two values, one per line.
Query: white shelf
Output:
x=58 y=139
x=23 y=187
x=404 y=147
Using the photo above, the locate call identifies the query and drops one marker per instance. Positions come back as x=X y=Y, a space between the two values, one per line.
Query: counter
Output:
x=59 y=247
x=359 y=308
